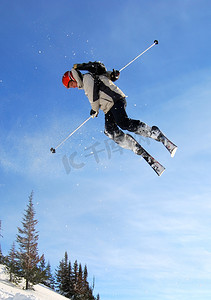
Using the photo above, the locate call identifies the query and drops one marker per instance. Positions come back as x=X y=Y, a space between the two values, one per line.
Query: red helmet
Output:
x=67 y=77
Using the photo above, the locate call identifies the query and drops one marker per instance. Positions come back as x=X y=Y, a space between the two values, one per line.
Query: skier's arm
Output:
x=95 y=67
x=83 y=66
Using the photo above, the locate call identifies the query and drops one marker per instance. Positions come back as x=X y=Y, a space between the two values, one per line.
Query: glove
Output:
x=93 y=113
x=78 y=66
x=114 y=75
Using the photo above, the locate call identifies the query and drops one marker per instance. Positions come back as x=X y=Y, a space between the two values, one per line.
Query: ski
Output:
x=154 y=164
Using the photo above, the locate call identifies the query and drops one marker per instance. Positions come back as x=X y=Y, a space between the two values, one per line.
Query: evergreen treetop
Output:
x=73 y=282
x=28 y=246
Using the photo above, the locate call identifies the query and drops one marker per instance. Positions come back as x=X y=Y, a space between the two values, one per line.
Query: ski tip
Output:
x=161 y=172
x=173 y=152
x=158 y=168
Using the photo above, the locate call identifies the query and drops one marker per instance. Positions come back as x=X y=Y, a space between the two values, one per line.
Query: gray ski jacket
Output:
x=99 y=89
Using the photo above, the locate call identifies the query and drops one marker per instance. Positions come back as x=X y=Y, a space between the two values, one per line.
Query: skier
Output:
x=105 y=95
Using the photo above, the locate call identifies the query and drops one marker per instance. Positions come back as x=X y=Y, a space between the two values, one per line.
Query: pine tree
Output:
x=12 y=265
x=73 y=282
x=59 y=276
x=98 y=297
x=85 y=283
x=87 y=290
x=75 y=276
x=79 y=285
x=71 y=286
x=91 y=290
x=42 y=273
x=50 y=282
x=28 y=246
x=64 y=278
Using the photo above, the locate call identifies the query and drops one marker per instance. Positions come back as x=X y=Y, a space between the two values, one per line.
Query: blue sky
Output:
x=141 y=236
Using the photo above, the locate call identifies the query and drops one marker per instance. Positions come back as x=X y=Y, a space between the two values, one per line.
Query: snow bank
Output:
x=10 y=291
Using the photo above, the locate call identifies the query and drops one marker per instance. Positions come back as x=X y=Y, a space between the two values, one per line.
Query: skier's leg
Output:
x=155 y=133
x=128 y=142
x=120 y=116
x=125 y=141
x=121 y=119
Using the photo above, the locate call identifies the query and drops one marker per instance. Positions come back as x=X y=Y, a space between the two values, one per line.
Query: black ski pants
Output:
x=117 y=116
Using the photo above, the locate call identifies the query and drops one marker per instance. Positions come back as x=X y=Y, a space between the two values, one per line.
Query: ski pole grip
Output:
x=53 y=150
x=155 y=42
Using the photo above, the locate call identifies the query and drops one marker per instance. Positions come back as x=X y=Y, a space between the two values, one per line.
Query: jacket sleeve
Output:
x=88 y=82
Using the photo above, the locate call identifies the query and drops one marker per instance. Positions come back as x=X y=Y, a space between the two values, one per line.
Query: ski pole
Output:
x=53 y=150
x=155 y=43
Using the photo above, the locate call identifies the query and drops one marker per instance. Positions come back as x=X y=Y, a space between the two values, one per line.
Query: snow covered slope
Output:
x=10 y=291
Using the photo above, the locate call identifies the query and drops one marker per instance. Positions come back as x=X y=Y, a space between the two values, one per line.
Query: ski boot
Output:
x=159 y=136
